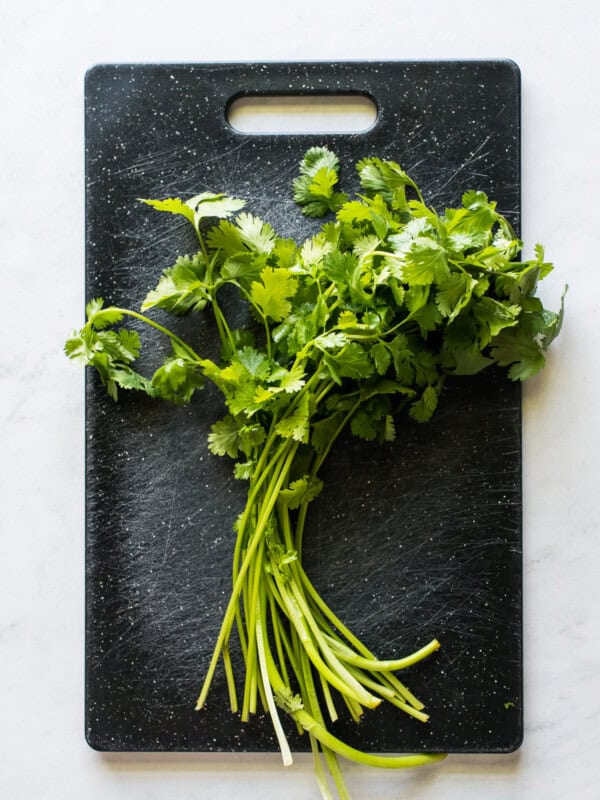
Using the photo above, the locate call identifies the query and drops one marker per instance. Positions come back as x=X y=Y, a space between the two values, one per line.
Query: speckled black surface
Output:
x=417 y=539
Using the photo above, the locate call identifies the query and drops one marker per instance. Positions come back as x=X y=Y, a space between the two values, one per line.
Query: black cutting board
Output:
x=415 y=539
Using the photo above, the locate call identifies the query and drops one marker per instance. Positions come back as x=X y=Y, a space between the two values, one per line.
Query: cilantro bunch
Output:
x=362 y=321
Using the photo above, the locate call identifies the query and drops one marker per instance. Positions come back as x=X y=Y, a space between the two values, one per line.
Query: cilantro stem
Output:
x=388 y=665
x=311 y=725
x=255 y=540
x=278 y=635
x=202 y=246
x=320 y=776
x=264 y=670
x=369 y=759
x=233 y=701
x=193 y=355
x=342 y=680
x=315 y=711
x=224 y=331
x=255 y=575
x=268 y=337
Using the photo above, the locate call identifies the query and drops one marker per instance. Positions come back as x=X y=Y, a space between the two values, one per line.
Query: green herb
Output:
x=364 y=320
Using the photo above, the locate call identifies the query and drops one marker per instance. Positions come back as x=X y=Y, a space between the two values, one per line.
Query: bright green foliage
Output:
x=224 y=438
x=296 y=424
x=361 y=323
x=178 y=378
x=273 y=293
x=314 y=188
x=173 y=205
x=110 y=352
x=181 y=287
x=202 y=206
x=301 y=491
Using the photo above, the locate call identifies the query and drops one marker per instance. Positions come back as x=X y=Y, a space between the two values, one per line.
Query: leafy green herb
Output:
x=367 y=318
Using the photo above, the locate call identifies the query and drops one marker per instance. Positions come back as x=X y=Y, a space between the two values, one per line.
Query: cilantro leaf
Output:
x=250 y=437
x=428 y=318
x=494 y=316
x=314 y=250
x=425 y=263
x=101 y=317
x=296 y=425
x=298 y=328
x=314 y=188
x=284 y=254
x=243 y=268
x=364 y=426
x=520 y=348
x=290 y=381
x=469 y=360
x=340 y=267
x=255 y=362
x=351 y=362
x=208 y=204
x=199 y=207
x=402 y=357
x=127 y=378
x=272 y=295
x=243 y=471
x=324 y=430
x=181 y=288
x=224 y=437
x=370 y=421
x=332 y=340
x=476 y=217
x=257 y=235
x=454 y=293
x=173 y=205
x=110 y=353
x=381 y=356
x=226 y=237
x=303 y=490
x=387 y=179
x=355 y=211
x=177 y=379
x=422 y=409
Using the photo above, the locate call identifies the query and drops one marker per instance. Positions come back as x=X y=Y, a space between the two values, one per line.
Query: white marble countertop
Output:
x=45 y=50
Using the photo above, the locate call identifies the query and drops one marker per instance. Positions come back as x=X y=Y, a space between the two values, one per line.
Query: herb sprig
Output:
x=363 y=320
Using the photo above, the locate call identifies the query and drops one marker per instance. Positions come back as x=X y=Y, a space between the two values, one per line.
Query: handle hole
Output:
x=302 y=114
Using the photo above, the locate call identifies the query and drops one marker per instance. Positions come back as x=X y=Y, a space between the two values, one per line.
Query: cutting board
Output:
x=410 y=540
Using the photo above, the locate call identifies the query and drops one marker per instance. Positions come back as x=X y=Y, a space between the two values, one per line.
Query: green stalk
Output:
x=319 y=770
x=342 y=681
x=193 y=355
x=386 y=677
x=224 y=332
x=329 y=704
x=274 y=489
x=346 y=654
x=311 y=725
x=359 y=756
x=315 y=711
x=256 y=574
x=262 y=470
x=233 y=701
x=266 y=682
x=413 y=706
x=334 y=663
x=277 y=635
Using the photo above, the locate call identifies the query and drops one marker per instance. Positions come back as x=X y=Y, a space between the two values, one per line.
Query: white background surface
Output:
x=45 y=48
